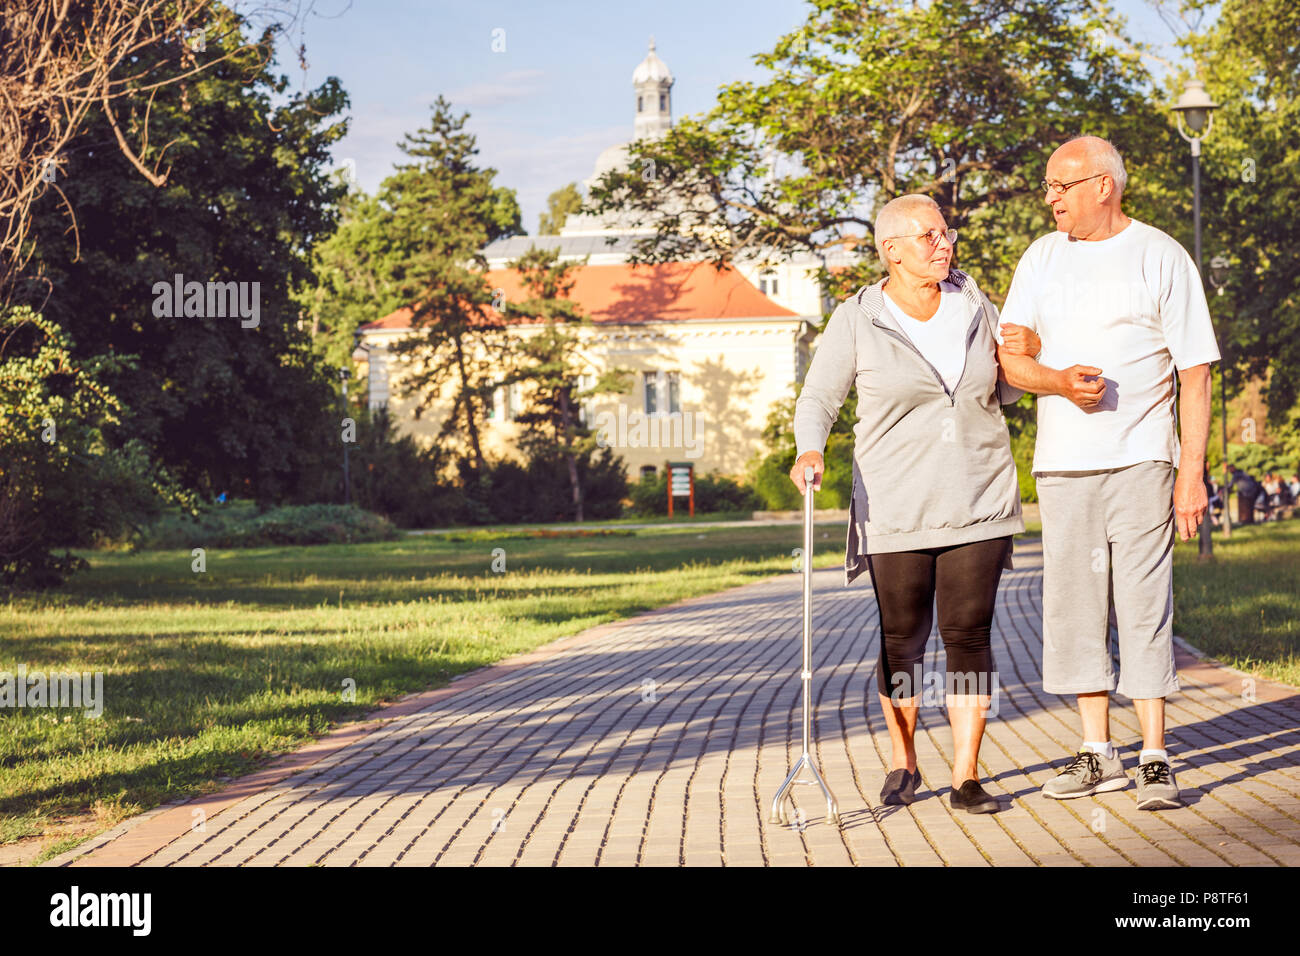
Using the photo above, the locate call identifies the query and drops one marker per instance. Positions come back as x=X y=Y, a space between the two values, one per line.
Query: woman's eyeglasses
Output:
x=932 y=236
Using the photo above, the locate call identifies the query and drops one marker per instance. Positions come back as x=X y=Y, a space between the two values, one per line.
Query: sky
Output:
x=559 y=92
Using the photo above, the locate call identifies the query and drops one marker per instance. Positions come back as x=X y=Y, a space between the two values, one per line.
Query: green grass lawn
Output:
x=1244 y=607
x=206 y=674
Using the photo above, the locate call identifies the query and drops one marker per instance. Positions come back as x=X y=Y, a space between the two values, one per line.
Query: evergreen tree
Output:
x=552 y=363
x=442 y=211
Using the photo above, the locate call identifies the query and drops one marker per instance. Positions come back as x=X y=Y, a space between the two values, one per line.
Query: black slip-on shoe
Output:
x=972 y=798
x=900 y=787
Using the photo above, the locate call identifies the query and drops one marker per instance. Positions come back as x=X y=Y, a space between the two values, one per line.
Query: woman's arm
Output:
x=825 y=386
x=1010 y=339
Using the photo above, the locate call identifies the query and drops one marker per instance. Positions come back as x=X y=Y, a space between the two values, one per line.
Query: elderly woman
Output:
x=935 y=499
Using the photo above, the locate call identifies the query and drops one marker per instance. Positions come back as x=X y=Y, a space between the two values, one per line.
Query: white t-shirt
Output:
x=1131 y=305
x=942 y=338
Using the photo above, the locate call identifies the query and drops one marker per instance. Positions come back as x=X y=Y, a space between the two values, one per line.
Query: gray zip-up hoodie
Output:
x=930 y=467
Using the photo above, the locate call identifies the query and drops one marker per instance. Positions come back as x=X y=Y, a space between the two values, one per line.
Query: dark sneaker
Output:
x=972 y=798
x=1157 y=789
x=900 y=787
x=1085 y=774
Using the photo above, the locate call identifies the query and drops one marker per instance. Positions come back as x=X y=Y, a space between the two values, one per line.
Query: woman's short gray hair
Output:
x=895 y=217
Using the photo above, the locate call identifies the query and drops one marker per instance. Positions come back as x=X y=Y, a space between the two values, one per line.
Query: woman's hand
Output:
x=813 y=458
x=1020 y=339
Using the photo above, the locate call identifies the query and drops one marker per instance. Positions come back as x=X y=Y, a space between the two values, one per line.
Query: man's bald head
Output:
x=1096 y=154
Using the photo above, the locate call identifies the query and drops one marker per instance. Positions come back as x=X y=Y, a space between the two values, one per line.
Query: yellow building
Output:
x=712 y=350
x=710 y=354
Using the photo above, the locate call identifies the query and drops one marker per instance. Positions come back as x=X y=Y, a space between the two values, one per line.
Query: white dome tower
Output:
x=654 y=98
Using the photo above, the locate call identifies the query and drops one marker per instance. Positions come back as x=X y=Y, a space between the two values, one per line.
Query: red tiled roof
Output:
x=669 y=291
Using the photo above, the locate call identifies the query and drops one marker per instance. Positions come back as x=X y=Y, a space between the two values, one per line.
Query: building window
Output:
x=507 y=402
x=767 y=283
x=663 y=392
x=585 y=381
x=638 y=104
x=648 y=471
x=663 y=102
x=377 y=378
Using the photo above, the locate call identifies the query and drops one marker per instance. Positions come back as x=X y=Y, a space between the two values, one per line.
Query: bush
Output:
x=1022 y=450
x=1259 y=459
x=540 y=490
x=393 y=476
x=772 y=470
x=62 y=484
x=239 y=525
x=777 y=492
x=714 y=493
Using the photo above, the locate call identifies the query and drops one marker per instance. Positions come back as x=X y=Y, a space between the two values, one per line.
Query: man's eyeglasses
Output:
x=1060 y=187
x=932 y=236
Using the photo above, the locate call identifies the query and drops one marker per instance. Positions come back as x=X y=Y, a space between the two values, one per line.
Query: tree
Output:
x=353 y=282
x=552 y=362
x=223 y=405
x=559 y=205
x=62 y=61
x=443 y=210
x=1250 y=61
x=963 y=100
x=58 y=487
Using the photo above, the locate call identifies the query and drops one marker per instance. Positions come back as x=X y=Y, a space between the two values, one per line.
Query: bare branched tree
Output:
x=60 y=59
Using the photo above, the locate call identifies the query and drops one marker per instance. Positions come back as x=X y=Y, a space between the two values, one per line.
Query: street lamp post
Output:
x=1219 y=266
x=1196 y=107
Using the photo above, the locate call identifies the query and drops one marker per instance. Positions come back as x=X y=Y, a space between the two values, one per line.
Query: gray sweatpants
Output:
x=1108 y=532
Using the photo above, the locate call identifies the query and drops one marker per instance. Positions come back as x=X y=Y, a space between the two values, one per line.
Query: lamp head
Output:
x=1219 y=267
x=1195 y=105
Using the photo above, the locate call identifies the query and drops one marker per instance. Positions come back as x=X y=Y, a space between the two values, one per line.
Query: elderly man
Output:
x=1119 y=306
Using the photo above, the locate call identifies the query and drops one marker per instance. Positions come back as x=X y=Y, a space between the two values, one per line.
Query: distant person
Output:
x=1273 y=493
x=1248 y=492
x=1285 y=497
x=1216 y=499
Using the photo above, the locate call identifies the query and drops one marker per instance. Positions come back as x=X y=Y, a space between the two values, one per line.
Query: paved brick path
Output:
x=661 y=741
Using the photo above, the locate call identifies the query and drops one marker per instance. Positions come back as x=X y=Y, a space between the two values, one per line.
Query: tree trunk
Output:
x=568 y=455
x=467 y=405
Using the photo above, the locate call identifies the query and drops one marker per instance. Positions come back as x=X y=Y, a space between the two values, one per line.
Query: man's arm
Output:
x=1081 y=384
x=1194 y=424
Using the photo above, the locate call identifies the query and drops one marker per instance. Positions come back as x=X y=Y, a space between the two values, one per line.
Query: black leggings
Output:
x=964 y=580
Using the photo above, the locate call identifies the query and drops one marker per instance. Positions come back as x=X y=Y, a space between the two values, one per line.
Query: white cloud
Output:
x=507 y=88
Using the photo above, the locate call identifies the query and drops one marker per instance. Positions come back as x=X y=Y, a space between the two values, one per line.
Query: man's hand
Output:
x=1081 y=384
x=1020 y=339
x=813 y=458
x=1190 y=502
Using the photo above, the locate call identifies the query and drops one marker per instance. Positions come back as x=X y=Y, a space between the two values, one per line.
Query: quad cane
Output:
x=805 y=759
